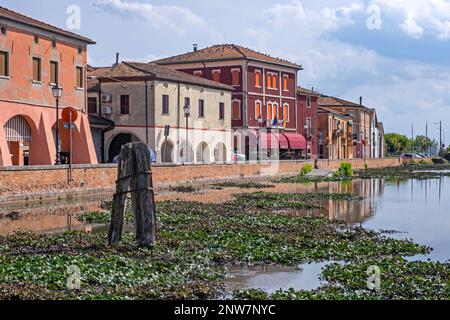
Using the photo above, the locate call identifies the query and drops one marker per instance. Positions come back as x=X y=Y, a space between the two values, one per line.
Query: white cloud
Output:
x=177 y=18
x=319 y=21
x=402 y=91
x=418 y=17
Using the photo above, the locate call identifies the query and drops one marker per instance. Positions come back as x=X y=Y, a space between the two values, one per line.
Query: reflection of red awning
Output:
x=269 y=140
x=293 y=141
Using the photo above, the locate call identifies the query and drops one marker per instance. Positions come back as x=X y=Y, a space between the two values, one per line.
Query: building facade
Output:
x=362 y=122
x=145 y=102
x=308 y=119
x=34 y=56
x=264 y=97
x=335 y=134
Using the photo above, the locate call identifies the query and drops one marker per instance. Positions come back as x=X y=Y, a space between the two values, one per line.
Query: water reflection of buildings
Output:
x=45 y=218
x=354 y=212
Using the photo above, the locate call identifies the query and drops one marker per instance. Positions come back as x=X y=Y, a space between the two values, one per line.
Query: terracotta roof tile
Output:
x=139 y=69
x=302 y=90
x=225 y=52
x=14 y=16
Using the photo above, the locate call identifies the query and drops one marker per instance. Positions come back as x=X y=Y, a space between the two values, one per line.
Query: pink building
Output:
x=34 y=56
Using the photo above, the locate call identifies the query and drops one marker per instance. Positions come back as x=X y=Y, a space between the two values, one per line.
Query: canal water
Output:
x=415 y=209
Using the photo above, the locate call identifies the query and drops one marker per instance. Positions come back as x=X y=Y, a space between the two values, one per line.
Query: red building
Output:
x=265 y=93
x=308 y=120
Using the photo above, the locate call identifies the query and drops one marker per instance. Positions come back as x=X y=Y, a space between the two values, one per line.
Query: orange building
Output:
x=34 y=56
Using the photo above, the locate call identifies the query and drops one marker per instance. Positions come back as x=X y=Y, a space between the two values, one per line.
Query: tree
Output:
x=397 y=143
x=422 y=144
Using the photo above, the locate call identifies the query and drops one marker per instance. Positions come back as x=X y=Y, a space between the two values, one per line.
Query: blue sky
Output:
x=399 y=64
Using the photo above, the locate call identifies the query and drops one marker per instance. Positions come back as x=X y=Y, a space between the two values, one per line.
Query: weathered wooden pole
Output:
x=143 y=197
x=125 y=173
x=135 y=177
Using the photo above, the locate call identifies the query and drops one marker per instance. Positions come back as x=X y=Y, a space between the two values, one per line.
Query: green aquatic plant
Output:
x=307 y=168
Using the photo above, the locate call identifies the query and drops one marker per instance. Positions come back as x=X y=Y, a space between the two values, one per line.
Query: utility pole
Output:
x=412 y=138
x=426 y=139
x=440 y=136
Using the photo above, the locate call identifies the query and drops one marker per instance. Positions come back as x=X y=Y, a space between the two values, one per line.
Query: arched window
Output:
x=275 y=111
x=286 y=113
x=258 y=110
x=269 y=112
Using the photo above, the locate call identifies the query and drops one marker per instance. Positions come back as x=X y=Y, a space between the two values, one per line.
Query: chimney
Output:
x=195 y=47
x=360 y=101
x=117 y=58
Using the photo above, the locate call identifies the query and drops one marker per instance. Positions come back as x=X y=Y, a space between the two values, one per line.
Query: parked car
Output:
x=407 y=156
x=236 y=157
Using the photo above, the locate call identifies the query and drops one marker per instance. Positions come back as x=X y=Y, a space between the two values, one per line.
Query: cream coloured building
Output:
x=145 y=102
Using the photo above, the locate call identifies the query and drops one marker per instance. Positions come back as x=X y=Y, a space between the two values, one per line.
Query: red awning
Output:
x=293 y=141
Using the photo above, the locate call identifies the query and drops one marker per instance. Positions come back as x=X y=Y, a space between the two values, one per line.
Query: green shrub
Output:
x=345 y=170
x=307 y=168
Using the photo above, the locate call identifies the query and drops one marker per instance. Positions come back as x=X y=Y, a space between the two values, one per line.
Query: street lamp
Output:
x=306 y=134
x=187 y=114
x=260 y=122
x=57 y=93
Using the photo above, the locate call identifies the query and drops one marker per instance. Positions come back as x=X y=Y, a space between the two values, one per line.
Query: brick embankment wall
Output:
x=35 y=183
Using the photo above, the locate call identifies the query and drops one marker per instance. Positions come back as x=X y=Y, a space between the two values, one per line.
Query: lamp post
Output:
x=260 y=122
x=187 y=114
x=57 y=93
x=306 y=134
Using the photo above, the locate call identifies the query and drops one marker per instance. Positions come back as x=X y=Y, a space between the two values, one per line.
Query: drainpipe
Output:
x=146 y=113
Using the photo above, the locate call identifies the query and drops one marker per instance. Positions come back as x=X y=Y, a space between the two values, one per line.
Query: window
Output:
x=286 y=83
x=258 y=110
x=275 y=111
x=269 y=112
x=274 y=82
x=80 y=81
x=216 y=75
x=221 y=111
x=92 y=105
x=198 y=73
x=187 y=101
x=285 y=113
x=258 y=79
x=269 y=81
x=308 y=102
x=236 y=110
x=37 y=69
x=201 y=108
x=308 y=127
x=124 y=104
x=235 y=77
x=54 y=72
x=4 y=64
x=165 y=104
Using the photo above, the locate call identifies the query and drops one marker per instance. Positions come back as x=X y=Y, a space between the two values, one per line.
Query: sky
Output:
x=393 y=53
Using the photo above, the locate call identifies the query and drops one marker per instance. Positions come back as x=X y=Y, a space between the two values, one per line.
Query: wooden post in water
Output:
x=143 y=197
x=134 y=176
